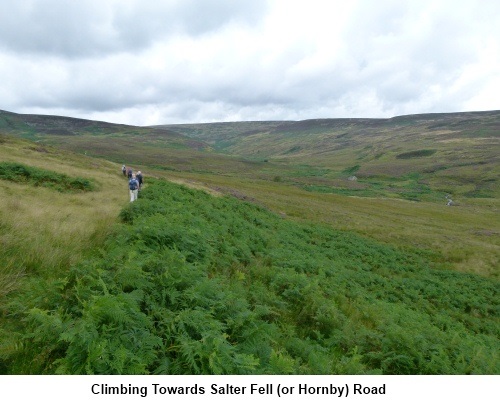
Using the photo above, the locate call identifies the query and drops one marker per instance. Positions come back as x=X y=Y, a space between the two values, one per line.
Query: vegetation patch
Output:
x=20 y=173
x=351 y=170
x=416 y=154
x=308 y=171
x=294 y=149
x=408 y=187
x=359 y=192
x=192 y=284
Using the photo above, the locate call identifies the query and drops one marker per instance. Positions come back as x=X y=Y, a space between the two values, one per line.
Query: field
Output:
x=44 y=230
x=258 y=255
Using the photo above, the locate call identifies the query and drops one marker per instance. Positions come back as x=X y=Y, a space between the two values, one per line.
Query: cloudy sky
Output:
x=148 y=62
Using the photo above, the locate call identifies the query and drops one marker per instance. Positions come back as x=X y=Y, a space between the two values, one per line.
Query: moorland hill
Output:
x=416 y=157
x=390 y=179
x=313 y=273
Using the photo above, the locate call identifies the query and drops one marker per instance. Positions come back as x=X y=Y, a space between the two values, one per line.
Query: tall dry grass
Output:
x=43 y=231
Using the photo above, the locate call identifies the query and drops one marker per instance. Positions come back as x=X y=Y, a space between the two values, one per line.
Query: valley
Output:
x=331 y=240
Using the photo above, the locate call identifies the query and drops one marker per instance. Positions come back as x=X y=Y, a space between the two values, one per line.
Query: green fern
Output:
x=192 y=284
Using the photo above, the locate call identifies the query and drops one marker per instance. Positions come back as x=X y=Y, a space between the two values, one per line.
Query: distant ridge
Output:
x=38 y=127
x=345 y=119
x=231 y=134
x=362 y=174
x=444 y=152
x=61 y=121
x=55 y=121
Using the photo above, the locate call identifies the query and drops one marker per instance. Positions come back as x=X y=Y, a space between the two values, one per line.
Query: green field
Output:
x=250 y=251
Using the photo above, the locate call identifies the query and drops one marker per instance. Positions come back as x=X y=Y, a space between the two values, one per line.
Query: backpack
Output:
x=132 y=184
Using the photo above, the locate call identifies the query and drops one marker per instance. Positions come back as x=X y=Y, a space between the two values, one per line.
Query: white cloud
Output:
x=152 y=62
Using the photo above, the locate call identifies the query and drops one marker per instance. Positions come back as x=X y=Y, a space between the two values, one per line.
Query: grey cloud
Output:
x=94 y=28
x=53 y=27
x=189 y=61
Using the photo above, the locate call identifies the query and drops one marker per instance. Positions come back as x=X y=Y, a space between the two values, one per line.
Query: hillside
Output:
x=455 y=153
x=56 y=206
x=403 y=171
x=195 y=284
x=418 y=157
x=96 y=138
x=289 y=281
x=322 y=136
x=137 y=146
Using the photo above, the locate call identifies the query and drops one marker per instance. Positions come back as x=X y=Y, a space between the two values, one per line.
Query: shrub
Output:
x=416 y=154
x=19 y=173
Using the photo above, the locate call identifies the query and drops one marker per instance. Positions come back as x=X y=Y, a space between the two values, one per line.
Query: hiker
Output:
x=129 y=173
x=139 y=179
x=124 y=170
x=133 y=186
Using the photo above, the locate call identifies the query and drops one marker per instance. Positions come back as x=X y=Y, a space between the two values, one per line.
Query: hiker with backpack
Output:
x=129 y=173
x=124 y=170
x=139 y=179
x=133 y=186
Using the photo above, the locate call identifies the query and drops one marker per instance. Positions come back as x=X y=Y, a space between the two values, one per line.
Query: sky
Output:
x=149 y=62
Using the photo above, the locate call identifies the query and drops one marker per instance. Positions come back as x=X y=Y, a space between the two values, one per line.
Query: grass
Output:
x=44 y=231
x=46 y=235
x=465 y=236
x=196 y=284
x=332 y=284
